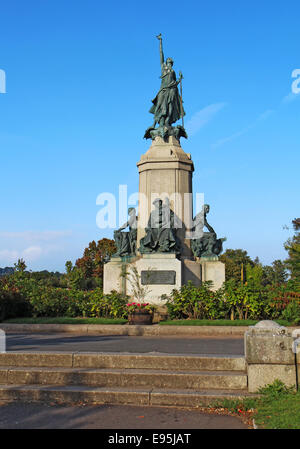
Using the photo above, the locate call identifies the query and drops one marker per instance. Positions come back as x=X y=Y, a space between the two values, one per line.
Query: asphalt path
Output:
x=125 y=344
x=45 y=416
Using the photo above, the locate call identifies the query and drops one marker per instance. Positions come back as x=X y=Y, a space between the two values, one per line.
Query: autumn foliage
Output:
x=92 y=262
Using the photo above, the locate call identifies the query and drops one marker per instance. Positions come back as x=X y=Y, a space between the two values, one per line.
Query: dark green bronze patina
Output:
x=160 y=232
x=167 y=105
x=206 y=244
x=126 y=241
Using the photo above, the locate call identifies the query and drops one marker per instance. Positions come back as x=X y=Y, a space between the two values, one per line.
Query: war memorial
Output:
x=165 y=243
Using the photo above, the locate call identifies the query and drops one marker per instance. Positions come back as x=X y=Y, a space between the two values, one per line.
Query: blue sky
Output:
x=80 y=76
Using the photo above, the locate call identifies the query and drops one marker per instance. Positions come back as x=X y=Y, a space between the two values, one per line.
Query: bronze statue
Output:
x=205 y=244
x=167 y=105
x=160 y=233
x=126 y=241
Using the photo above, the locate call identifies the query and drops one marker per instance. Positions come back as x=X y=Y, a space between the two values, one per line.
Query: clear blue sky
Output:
x=80 y=79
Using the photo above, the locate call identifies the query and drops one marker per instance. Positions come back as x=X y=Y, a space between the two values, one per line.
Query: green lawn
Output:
x=66 y=320
x=280 y=411
x=277 y=407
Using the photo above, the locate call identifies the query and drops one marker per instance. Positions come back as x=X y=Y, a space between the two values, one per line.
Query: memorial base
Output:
x=213 y=270
x=159 y=274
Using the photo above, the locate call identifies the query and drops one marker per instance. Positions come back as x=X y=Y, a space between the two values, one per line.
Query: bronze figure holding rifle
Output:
x=167 y=105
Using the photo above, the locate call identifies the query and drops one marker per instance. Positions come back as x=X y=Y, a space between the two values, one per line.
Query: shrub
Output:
x=108 y=306
x=194 y=302
x=292 y=312
x=12 y=304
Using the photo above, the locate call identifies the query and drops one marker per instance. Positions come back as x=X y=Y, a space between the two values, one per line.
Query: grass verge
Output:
x=66 y=320
x=80 y=320
x=276 y=407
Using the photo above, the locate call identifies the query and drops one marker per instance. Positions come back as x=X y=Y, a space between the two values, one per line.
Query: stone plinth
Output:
x=112 y=276
x=213 y=270
x=158 y=268
x=159 y=275
x=191 y=271
x=269 y=355
x=165 y=170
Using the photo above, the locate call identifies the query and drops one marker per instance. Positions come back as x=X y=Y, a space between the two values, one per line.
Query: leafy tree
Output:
x=275 y=274
x=75 y=277
x=20 y=266
x=92 y=262
x=236 y=261
x=254 y=275
x=292 y=245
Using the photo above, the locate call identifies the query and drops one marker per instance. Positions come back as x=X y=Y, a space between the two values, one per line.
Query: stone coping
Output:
x=136 y=330
x=115 y=329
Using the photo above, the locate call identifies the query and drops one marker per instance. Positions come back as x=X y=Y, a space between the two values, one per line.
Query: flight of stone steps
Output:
x=114 y=378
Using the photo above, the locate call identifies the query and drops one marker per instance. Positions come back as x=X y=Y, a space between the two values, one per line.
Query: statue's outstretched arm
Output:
x=161 y=52
x=124 y=226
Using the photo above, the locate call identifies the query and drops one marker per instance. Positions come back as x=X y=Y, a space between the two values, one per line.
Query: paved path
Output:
x=112 y=343
x=40 y=416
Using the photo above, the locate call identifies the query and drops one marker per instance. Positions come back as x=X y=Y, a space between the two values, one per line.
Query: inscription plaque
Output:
x=159 y=277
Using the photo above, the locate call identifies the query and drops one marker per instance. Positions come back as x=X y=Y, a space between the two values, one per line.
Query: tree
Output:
x=254 y=275
x=74 y=276
x=236 y=261
x=20 y=266
x=91 y=264
x=292 y=245
x=275 y=274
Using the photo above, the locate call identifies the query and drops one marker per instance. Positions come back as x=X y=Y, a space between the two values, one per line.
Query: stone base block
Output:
x=191 y=272
x=213 y=270
x=165 y=271
x=112 y=279
x=155 y=266
x=262 y=375
x=269 y=349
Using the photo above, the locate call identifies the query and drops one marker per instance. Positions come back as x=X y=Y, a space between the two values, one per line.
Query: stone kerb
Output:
x=269 y=355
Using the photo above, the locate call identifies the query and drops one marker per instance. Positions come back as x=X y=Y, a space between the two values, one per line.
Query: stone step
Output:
x=197 y=380
x=117 y=360
x=105 y=395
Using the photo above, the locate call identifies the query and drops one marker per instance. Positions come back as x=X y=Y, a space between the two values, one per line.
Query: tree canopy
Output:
x=292 y=245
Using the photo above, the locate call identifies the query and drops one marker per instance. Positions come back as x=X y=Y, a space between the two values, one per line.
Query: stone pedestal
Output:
x=213 y=270
x=191 y=272
x=269 y=355
x=159 y=275
x=112 y=276
x=165 y=170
